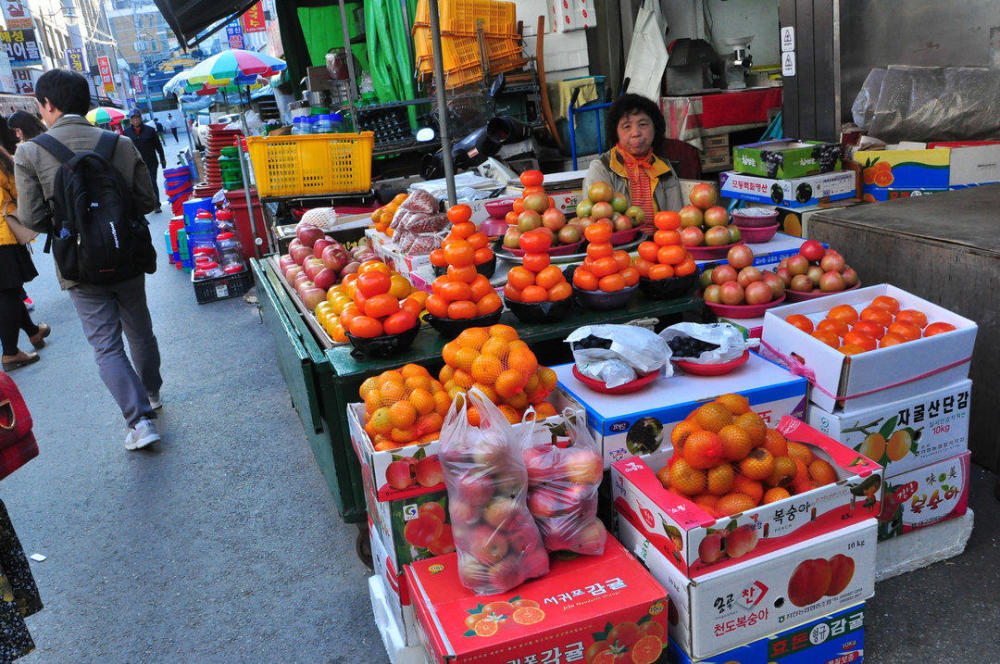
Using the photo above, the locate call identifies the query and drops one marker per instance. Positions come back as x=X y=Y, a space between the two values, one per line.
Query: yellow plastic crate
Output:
x=312 y=164
x=458 y=17
x=461 y=52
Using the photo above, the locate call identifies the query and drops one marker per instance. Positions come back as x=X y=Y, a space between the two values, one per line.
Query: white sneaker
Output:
x=142 y=435
x=154 y=401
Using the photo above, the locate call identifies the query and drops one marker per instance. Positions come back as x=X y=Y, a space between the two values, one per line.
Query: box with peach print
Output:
x=745 y=517
x=784 y=589
x=925 y=496
x=394 y=591
x=605 y=608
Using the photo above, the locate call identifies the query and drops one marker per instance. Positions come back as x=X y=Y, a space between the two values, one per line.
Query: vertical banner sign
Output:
x=253 y=19
x=16 y=14
x=235 y=34
x=274 y=45
x=104 y=63
x=137 y=83
x=24 y=84
x=6 y=74
x=75 y=58
x=21 y=47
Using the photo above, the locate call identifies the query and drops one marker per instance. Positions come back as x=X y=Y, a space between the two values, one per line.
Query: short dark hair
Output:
x=67 y=90
x=29 y=125
x=630 y=103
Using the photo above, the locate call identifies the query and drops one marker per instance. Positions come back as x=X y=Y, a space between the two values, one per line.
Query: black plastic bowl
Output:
x=668 y=289
x=387 y=345
x=486 y=269
x=602 y=301
x=449 y=329
x=540 y=312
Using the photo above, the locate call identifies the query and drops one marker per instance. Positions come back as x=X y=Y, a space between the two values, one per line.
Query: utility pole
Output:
x=145 y=66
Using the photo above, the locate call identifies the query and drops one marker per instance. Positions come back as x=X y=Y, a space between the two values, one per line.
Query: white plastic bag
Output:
x=498 y=543
x=729 y=339
x=634 y=351
x=564 y=474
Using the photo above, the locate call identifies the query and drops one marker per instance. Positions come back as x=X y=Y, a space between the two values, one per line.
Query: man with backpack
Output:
x=89 y=189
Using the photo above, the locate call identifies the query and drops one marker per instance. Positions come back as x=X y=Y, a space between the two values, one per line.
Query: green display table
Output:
x=322 y=382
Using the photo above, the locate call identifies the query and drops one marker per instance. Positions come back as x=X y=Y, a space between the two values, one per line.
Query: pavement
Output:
x=223 y=543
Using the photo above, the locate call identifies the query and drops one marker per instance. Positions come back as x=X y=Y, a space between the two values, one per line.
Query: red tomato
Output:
x=374 y=283
x=535 y=243
x=532 y=178
x=400 y=321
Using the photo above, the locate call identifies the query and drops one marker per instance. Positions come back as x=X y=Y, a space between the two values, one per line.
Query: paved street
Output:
x=224 y=545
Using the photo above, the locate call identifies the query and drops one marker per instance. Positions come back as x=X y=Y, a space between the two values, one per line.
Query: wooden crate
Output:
x=944 y=248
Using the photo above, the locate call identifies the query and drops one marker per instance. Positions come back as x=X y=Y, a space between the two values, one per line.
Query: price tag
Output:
x=222 y=290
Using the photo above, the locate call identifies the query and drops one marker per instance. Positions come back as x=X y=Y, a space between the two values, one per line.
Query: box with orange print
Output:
x=696 y=542
x=605 y=608
x=758 y=597
x=891 y=174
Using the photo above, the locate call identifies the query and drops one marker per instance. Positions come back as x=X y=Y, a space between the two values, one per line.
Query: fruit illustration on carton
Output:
x=429 y=529
x=638 y=642
x=486 y=620
x=817 y=578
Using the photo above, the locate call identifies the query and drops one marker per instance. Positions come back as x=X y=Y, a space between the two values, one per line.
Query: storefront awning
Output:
x=195 y=20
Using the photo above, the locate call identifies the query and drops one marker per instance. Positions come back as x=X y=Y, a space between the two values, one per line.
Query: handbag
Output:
x=17 y=443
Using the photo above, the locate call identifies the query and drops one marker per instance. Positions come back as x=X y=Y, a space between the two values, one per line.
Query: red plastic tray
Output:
x=702 y=369
x=743 y=310
x=627 y=388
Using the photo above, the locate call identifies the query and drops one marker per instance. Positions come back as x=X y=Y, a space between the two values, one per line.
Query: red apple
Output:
x=311 y=297
x=321 y=244
x=285 y=262
x=312 y=266
x=299 y=253
x=292 y=272
x=335 y=257
x=499 y=510
x=583 y=467
x=325 y=278
x=487 y=545
x=812 y=250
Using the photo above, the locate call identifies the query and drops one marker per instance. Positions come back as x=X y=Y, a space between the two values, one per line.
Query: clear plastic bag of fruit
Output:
x=498 y=543
x=617 y=354
x=709 y=343
x=564 y=473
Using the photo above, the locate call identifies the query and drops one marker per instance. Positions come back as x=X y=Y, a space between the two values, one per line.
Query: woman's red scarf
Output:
x=640 y=183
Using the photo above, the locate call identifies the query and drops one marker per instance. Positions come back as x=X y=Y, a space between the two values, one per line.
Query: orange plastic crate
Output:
x=458 y=17
x=312 y=164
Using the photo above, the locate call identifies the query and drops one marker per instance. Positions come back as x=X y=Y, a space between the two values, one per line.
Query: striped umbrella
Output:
x=176 y=83
x=222 y=68
x=104 y=115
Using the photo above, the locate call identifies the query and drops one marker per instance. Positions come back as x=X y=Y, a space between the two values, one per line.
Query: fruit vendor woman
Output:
x=630 y=165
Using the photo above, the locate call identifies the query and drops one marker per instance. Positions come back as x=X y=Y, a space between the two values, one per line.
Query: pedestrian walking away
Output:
x=172 y=125
x=105 y=309
x=16 y=268
x=148 y=143
x=159 y=128
x=25 y=127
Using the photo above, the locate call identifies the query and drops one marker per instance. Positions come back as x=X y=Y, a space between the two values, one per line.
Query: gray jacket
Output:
x=35 y=173
x=609 y=168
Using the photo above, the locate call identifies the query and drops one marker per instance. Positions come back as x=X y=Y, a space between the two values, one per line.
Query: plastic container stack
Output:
x=178 y=186
x=218 y=138
x=229 y=165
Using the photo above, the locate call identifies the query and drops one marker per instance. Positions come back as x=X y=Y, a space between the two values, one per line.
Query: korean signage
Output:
x=75 y=58
x=21 y=47
x=16 y=14
x=137 y=83
x=253 y=19
x=104 y=63
x=274 y=44
x=235 y=34
x=24 y=82
x=6 y=74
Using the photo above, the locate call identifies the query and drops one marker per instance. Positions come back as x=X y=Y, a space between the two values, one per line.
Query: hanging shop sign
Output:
x=24 y=80
x=235 y=34
x=104 y=63
x=21 y=47
x=75 y=58
x=16 y=14
x=253 y=19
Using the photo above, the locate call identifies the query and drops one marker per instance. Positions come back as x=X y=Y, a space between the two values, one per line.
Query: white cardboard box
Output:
x=394 y=591
x=974 y=165
x=395 y=646
x=764 y=595
x=773 y=392
x=857 y=382
x=905 y=434
x=793 y=193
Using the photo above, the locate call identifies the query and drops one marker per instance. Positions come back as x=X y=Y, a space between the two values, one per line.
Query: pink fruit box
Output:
x=925 y=496
x=697 y=544
x=389 y=470
x=758 y=597
x=847 y=383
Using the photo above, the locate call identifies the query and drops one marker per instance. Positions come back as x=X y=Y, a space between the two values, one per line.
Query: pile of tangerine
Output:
x=403 y=406
x=504 y=369
x=382 y=302
x=605 y=268
x=665 y=256
x=463 y=229
x=727 y=460
x=879 y=325
x=536 y=280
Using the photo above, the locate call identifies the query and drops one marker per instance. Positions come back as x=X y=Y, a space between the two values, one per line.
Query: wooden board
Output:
x=945 y=248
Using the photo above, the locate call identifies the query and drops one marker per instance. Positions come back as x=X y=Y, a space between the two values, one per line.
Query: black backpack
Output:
x=97 y=237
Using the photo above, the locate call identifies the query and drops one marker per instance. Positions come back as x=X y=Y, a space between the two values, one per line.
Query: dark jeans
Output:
x=14 y=317
x=152 y=168
x=173 y=130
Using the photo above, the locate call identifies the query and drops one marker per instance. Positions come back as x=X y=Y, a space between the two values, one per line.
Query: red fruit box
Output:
x=925 y=496
x=696 y=543
x=758 y=597
x=846 y=382
x=584 y=607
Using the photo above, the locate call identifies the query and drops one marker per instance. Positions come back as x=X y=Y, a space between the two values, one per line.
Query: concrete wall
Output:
x=876 y=33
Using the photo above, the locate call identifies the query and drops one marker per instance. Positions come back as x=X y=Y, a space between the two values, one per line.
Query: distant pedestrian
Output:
x=25 y=125
x=159 y=127
x=172 y=125
x=105 y=310
x=148 y=143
